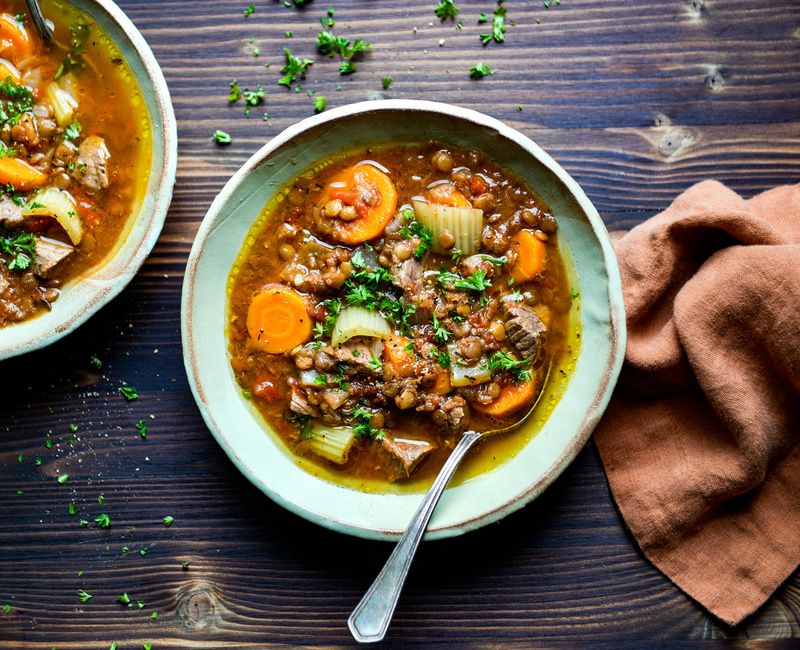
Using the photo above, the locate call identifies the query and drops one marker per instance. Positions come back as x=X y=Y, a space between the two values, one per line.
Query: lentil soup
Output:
x=386 y=300
x=74 y=150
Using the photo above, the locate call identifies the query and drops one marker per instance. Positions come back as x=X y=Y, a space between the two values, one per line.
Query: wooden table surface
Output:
x=636 y=99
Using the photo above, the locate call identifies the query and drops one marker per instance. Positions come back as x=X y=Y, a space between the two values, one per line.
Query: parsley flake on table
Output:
x=220 y=137
x=498 y=33
x=168 y=520
x=103 y=520
x=293 y=69
x=235 y=94
x=320 y=102
x=482 y=18
x=7 y=609
x=154 y=615
x=73 y=509
x=129 y=393
x=141 y=427
x=100 y=499
x=20 y=459
x=446 y=9
x=124 y=599
x=83 y=596
x=95 y=362
x=254 y=97
x=113 y=646
x=347 y=67
x=386 y=82
x=249 y=10
x=480 y=70
x=63 y=479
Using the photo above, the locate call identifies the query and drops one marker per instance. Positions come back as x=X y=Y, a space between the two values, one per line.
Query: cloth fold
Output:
x=701 y=441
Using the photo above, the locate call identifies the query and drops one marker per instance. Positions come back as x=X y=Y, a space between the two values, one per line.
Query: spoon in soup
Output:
x=370 y=619
x=39 y=20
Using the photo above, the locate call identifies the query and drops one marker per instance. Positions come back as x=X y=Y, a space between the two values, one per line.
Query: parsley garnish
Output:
x=475 y=282
x=220 y=137
x=440 y=334
x=386 y=82
x=303 y=424
x=363 y=428
x=129 y=393
x=320 y=102
x=375 y=363
x=73 y=62
x=293 y=69
x=498 y=33
x=442 y=358
x=333 y=306
x=73 y=130
x=517 y=367
x=329 y=44
x=446 y=9
x=95 y=362
x=425 y=235
x=103 y=520
x=63 y=478
x=20 y=247
x=347 y=67
x=497 y=261
x=168 y=520
x=235 y=94
x=16 y=100
x=73 y=509
x=141 y=427
x=480 y=70
x=249 y=10
x=83 y=596
x=482 y=18
x=124 y=599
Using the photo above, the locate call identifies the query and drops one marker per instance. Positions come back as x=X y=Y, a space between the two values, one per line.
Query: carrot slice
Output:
x=447 y=194
x=402 y=361
x=372 y=193
x=442 y=385
x=20 y=174
x=278 y=320
x=8 y=69
x=14 y=38
x=511 y=399
x=532 y=256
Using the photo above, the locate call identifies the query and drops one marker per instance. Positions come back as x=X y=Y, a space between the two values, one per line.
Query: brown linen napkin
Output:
x=700 y=441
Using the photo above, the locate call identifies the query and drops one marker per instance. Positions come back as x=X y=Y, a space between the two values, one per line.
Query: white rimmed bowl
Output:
x=259 y=456
x=84 y=296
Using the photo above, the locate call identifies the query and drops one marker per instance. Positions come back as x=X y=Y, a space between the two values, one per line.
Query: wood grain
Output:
x=637 y=100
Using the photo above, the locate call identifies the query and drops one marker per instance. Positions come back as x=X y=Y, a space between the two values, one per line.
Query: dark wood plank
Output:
x=636 y=99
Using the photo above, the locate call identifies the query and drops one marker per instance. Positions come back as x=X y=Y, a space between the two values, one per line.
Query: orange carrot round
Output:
x=14 y=38
x=396 y=354
x=532 y=256
x=20 y=174
x=511 y=399
x=278 y=319
x=447 y=194
x=372 y=193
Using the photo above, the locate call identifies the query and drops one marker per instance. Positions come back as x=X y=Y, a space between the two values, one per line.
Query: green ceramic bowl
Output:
x=563 y=426
x=83 y=297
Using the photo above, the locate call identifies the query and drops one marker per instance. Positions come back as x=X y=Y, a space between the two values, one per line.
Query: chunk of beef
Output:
x=524 y=329
x=406 y=453
x=455 y=412
x=49 y=254
x=408 y=275
x=299 y=403
x=91 y=171
x=358 y=353
x=10 y=213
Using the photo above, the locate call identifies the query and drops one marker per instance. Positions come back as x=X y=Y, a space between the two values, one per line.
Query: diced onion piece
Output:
x=465 y=224
x=59 y=204
x=357 y=321
x=332 y=443
x=63 y=103
x=471 y=375
x=309 y=377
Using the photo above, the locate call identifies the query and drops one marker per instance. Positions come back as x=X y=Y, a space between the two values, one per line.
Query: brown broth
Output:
x=258 y=264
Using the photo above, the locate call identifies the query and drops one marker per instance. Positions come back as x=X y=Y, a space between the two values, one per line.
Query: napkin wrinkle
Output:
x=700 y=441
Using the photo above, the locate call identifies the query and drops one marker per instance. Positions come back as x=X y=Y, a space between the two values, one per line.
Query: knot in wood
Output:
x=197 y=607
x=674 y=141
x=698 y=8
x=714 y=79
x=662 y=120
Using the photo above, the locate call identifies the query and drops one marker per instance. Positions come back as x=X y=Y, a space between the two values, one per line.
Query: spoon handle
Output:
x=371 y=617
x=39 y=20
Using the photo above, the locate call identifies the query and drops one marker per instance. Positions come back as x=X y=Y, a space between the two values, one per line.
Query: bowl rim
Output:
x=617 y=334
x=163 y=120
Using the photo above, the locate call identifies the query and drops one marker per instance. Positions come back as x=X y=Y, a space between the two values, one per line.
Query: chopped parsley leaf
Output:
x=73 y=509
x=254 y=97
x=482 y=18
x=63 y=478
x=386 y=82
x=442 y=358
x=124 y=599
x=480 y=70
x=73 y=130
x=249 y=10
x=363 y=428
x=293 y=69
x=425 y=235
x=168 y=520
x=333 y=306
x=103 y=520
x=440 y=334
x=83 y=596
x=475 y=282
x=95 y=362
x=129 y=393
x=329 y=44
x=235 y=94
x=220 y=137
x=498 y=33
x=303 y=424
x=347 y=67
x=517 y=367
x=446 y=9
x=320 y=102
x=141 y=427
x=375 y=363
x=20 y=247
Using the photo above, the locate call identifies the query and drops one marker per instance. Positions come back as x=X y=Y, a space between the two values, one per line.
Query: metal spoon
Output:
x=371 y=617
x=39 y=20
